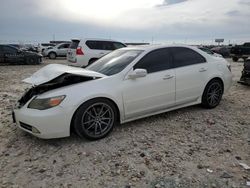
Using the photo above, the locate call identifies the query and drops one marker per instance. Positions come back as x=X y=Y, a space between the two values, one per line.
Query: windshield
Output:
x=114 y=62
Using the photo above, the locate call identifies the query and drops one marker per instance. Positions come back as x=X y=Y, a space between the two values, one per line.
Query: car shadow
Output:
x=75 y=139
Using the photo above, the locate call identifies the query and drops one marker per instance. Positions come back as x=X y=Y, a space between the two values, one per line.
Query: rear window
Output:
x=74 y=44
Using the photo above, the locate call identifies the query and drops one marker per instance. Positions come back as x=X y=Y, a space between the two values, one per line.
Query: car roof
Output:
x=96 y=39
x=158 y=46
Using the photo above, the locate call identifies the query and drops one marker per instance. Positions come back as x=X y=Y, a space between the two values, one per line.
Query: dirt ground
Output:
x=190 y=147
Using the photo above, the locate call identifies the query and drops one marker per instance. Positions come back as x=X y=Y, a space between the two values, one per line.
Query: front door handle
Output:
x=167 y=77
x=202 y=70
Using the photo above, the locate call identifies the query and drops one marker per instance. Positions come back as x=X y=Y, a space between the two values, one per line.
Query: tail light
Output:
x=79 y=51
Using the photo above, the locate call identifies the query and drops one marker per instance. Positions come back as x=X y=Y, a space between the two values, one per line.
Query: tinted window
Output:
x=114 y=62
x=104 y=45
x=9 y=50
x=185 y=56
x=118 y=45
x=247 y=44
x=154 y=61
x=63 y=46
x=94 y=45
x=74 y=44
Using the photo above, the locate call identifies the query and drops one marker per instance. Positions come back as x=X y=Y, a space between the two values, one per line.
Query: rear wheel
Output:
x=95 y=119
x=52 y=55
x=235 y=59
x=212 y=94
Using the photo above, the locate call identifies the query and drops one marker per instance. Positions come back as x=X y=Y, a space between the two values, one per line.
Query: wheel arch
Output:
x=215 y=78
x=106 y=98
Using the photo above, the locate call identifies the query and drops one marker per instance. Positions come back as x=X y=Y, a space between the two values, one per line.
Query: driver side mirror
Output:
x=138 y=73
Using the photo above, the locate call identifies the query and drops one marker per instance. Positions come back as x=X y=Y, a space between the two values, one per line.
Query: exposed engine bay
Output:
x=58 y=82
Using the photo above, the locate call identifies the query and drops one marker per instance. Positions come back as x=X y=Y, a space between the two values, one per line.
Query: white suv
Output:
x=83 y=52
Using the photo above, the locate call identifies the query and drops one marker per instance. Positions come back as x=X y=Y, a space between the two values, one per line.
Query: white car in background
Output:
x=83 y=52
x=126 y=84
x=60 y=50
x=43 y=46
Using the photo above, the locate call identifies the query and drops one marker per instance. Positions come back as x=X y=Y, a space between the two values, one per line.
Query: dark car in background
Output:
x=12 y=55
x=222 y=50
x=240 y=51
x=245 y=77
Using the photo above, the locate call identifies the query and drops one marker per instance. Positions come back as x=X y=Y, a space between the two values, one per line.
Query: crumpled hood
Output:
x=52 y=71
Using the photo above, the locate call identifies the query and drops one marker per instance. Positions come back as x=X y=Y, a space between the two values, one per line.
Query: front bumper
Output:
x=46 y=124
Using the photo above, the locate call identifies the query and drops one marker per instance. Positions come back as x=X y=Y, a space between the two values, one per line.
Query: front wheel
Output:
x=95 y=119
x=212 y=94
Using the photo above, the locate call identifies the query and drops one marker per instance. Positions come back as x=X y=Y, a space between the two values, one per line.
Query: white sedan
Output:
x=125 y=85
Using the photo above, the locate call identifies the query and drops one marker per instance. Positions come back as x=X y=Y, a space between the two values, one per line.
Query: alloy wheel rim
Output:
x=214 y=94
x=97 y=119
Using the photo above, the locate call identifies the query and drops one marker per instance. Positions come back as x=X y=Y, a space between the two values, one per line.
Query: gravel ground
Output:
x=190 y=147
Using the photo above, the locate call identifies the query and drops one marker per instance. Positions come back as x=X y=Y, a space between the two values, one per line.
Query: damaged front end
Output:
x=55 y=76
x=63 y=80
x=245 y=77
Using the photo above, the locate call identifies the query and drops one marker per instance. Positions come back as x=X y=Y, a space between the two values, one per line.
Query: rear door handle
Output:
x=202 y=70
x=167 y=77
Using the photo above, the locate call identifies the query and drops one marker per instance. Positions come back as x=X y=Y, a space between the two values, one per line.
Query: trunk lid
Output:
x=52 y=71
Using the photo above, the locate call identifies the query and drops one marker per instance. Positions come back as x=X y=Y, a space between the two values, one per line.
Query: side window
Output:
x=67 y=45
x=95 y=45
x=91 y=44
x=9 y=50
x=185 y=56
x=118 y=45
x=106 y=45
x=157 y=60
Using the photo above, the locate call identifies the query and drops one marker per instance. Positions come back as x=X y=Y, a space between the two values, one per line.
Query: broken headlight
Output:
x=43 y=104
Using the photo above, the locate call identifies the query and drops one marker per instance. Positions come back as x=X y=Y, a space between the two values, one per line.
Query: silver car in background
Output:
x=60 y=50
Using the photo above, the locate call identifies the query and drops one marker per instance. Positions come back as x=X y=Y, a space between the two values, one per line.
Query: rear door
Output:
x=71 y=54
x=191 y=71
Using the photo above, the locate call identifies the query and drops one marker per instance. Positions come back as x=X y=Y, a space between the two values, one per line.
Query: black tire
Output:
x=95 y=119
x=52 y=55
x=235 y=59
x=31 y=61
x=212 y=94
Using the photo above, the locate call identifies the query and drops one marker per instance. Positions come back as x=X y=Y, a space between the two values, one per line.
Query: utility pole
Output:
x=54 y=37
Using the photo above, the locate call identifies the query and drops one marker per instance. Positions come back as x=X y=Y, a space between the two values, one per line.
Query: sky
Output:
x=154 y=21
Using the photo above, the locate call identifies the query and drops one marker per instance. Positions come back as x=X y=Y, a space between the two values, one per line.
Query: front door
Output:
x=155 y=91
